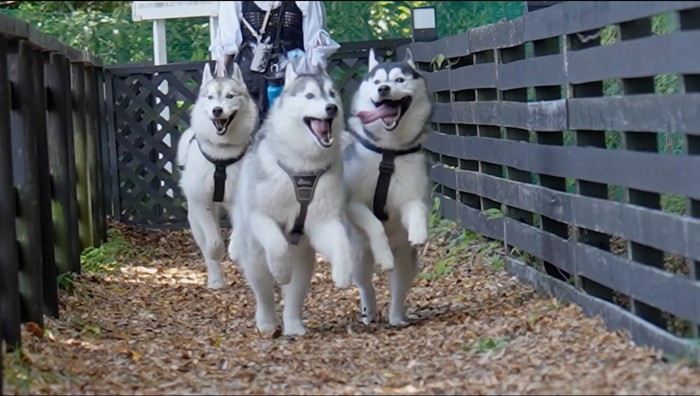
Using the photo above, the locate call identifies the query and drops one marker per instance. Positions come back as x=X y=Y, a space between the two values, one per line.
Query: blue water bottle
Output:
x=275 y=81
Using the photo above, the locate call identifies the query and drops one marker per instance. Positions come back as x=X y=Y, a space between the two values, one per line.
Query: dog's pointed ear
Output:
x=206 y=74
x=290 y=74
x=372 y=59
x=408 y=58
x=237 y=73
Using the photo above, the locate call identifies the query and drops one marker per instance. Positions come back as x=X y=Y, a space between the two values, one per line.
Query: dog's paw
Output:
x=342 y=276
x=398 y=321
x=266 y=325
x=294 y=329
x=232 y=252
x=367 y=316
x=418 y=236
x=216 y=283
x=385 y=260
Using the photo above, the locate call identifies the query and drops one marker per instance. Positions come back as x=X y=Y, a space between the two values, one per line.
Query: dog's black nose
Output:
x=384 y=90
x=217 y=111
x=331 y=110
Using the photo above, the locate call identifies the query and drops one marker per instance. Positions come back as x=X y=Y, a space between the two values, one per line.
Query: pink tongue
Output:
x=320 y=127
x=380 y=112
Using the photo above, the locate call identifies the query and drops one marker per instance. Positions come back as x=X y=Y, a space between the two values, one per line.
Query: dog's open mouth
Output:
x=221 y=124
x=321 y=129
x=390 y=112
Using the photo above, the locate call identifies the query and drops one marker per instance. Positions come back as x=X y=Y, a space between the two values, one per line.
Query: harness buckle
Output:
x=387 y=166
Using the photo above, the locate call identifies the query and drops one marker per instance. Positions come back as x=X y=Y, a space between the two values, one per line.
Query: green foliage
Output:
x=106 y=30
x=482 y=345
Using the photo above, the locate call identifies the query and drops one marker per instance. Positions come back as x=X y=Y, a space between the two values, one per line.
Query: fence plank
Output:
x=544 y=245
x=640 y=170
x=25 y=160
x=77 y=77
x=483 y=75
x=642 y=113
x=533 y=72
x=9 y=265
x=104 y=176
x=540 y=116
x=92 y=135
x=59 y=122
x=115 y=191
x=630 y=58
x=38 y=111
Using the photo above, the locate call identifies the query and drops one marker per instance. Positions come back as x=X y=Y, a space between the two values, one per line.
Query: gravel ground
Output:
x=151 y=327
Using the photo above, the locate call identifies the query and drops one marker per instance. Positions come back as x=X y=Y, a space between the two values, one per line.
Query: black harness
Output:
x=386 y=170
x=304 y=187
x=220 y=166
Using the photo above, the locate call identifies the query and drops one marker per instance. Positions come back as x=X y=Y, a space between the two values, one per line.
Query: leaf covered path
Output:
x=149 y=326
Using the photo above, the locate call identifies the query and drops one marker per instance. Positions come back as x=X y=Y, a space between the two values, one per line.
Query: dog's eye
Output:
x=332 y=94
x=210 y=97
x=400 y=80
x=310 y=96
x=229 y=96
x=377 y=81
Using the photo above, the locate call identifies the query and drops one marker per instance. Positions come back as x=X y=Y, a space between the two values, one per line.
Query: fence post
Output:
x=24 y=134
x=9 y=265
x=59 y=130
x=38 y=104
x=77 y=76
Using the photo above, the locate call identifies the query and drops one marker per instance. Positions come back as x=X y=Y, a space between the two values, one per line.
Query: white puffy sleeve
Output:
x=318 y=44
x=228 y=36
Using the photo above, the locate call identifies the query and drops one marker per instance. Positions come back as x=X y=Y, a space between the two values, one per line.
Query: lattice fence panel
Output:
x=150 y=110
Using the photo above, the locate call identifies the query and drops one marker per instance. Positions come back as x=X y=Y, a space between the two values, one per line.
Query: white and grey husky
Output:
x=290 y=202
x=387 y=175
x=209 y=153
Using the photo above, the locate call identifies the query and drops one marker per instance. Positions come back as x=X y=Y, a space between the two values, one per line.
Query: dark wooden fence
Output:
x=572 y=134
x=51 y=196
x=147 y=111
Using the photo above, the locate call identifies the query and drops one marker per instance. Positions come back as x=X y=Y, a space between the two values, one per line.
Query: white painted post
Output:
x=160 y=57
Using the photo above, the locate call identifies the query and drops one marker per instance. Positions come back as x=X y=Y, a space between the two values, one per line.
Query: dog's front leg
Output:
x=207 y=234
x=269 y=235
x=414 y=217
x=330 y=238
x=364 y=219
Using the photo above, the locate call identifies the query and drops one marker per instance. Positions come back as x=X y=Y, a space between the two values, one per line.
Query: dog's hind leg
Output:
x=402 y=277
x=207 y=234
x=263 y=285
x=331 y=240
x=303 y=261
x=364 y=219
x=363 y=273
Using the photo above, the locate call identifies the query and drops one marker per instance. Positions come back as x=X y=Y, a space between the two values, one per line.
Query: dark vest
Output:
x=292 y=33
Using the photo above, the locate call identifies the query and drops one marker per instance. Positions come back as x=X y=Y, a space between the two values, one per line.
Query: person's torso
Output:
x=291 y=34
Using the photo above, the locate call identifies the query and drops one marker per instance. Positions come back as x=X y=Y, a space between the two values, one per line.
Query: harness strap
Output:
x=220 y=166
x=304 y=187
x=386 y=170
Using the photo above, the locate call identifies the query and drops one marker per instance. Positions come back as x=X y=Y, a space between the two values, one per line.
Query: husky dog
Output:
x=291 y=202
x=387 y=176
x=222 y=122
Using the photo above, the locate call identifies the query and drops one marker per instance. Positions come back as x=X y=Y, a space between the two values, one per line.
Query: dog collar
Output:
x=386 y=170
x=220 y=171
x=304 y=187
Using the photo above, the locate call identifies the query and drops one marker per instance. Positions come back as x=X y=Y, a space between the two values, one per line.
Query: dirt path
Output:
x=150 y=327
